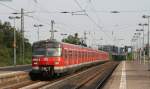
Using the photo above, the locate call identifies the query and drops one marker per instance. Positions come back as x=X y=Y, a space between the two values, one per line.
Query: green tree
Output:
x=72 y=39
x=6 y=45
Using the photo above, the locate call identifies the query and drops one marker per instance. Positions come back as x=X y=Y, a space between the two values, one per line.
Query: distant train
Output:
x=52 y=57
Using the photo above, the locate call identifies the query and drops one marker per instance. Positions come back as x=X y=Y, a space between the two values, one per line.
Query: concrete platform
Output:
x=129 y=75
x=12 y=69
x=10 y=75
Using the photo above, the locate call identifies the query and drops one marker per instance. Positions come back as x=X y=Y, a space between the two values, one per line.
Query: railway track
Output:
x=98 y=79
x=78 y=80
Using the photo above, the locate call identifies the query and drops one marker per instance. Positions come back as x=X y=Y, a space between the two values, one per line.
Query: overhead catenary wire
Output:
x=91 y=19
x=93 y=7
x=87 y=15
x=122 y=11
x=8 y=6
x=33 y=17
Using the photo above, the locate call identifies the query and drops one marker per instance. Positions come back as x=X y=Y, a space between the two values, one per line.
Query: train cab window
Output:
x=39 y=51
x=54 y=52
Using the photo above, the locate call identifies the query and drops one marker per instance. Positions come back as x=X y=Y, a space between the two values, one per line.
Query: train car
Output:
x=52 y=57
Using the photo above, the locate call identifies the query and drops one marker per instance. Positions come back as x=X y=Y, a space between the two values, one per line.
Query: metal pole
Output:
x=137 y=50
x=22 y=34
x=38 y=30
x=132 y=49
x=148 y=47
x=38 y=33
x=14 y=43
x=143 y=45
x=52 y=30
x=140 y=49
x=85 y=37
x=22 y=31
x=14 y=38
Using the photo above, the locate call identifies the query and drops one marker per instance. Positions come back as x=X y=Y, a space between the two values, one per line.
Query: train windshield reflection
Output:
x=54 y=52
x=48 y=52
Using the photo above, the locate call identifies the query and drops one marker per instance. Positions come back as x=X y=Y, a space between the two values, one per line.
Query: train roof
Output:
x=52 y=41
x=63 y=43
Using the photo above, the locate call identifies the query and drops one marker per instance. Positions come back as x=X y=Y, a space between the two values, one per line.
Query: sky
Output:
x=102 y=26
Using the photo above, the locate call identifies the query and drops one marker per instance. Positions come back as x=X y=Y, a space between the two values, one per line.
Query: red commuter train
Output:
x=52 y=57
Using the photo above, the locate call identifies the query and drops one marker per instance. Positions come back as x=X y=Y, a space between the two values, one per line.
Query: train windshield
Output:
x=54 y=52
x=47 y=48
x=40 y=51
x=48 y=52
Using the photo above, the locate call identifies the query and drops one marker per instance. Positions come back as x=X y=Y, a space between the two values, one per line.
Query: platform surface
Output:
x=16 y=69
x=129 y=75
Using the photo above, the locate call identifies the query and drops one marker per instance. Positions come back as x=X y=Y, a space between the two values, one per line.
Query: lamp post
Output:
x=22 y=46
x=148 y=16
x=38 y=26
x=101 y=40
x=133 y=47
x=137 y=35
x=14 y=42
x=142 y=43
x=140 y=24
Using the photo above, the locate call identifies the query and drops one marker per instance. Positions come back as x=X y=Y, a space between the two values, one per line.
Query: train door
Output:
x=66 y=57
x=87 y=56
x=83 y=56
x=75 y=57
x=70 y=56
x=77 y=52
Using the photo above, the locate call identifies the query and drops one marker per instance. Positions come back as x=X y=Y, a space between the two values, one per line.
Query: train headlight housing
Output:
x=56 y=62
x=34 y=59
x=45 y=59
x=35 y=63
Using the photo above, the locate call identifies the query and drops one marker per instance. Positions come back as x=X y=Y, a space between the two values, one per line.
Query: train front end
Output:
x=46 y=57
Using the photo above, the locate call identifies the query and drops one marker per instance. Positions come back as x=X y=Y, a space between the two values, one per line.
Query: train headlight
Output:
x=45 y=59
x=34 y=59
x=35 y=63
x=56 y=62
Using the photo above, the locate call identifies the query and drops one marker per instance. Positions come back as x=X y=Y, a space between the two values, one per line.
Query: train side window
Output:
x=79 y=54
x=82 y=54
x=70 y=54
x=66 y=54
x=63 y=53
x=76 y=52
